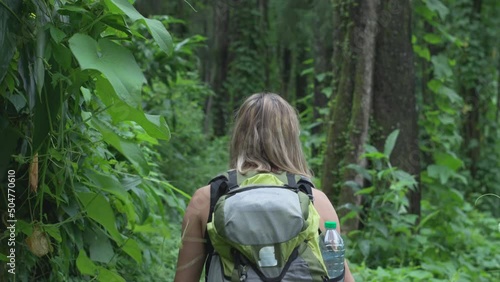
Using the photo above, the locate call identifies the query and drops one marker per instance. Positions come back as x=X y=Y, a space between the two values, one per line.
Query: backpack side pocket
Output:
x=215 y=272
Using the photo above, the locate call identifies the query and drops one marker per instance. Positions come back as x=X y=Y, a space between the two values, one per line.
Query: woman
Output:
x=265 y=139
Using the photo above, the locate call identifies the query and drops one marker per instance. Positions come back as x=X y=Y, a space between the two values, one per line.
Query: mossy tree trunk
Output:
x=300 y=79
x=497 y=116
x=219 y=67
x=394 y=103
x=322 y=53
x=470 y=88
x=286 y=71
x=267 y=48
x=350 y=112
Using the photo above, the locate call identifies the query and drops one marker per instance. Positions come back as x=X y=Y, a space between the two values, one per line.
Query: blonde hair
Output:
x=266 y=137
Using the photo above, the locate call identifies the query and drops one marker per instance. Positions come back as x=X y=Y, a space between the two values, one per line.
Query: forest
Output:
x=113 y=113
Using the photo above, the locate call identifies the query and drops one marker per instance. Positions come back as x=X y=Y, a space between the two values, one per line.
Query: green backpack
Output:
x=263 y=227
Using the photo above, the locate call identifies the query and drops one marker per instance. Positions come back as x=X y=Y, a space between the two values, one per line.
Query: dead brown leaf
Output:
x=34 y=174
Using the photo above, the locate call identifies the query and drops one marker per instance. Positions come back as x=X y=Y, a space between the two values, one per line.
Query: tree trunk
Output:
x=394 y=100
x=219 y=68
x=322 y=53
x=498 y=94
x=264 y=25
x=349 y=122
x=338 y=118
x=286 y=68
x=206 y=65
x=300 y=80
x=471 y=127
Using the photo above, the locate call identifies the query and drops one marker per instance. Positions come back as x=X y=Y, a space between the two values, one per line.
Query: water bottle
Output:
x=332 y=250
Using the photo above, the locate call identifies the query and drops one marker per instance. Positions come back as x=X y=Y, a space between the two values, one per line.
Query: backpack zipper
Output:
x=243 y=276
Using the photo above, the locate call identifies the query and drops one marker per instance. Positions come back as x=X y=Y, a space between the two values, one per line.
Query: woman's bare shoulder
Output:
x=200 y=199
x=320 y=196
x=199 y=206
x=202 y=193
x=324 y=207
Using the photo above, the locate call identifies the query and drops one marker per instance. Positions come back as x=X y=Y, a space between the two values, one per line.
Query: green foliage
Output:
x=246 y=70
x=175 y=91
x=459 y=115
x=451 y=242
x=310 y=142
x=384 y=215
x=191 y=158
x=72 y=100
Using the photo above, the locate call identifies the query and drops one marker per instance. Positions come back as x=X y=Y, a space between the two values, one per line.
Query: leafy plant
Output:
x=72 y=98
x=384 y=217
x=451 y=242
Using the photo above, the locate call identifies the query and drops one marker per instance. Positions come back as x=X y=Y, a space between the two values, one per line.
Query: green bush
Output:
x=453 y=241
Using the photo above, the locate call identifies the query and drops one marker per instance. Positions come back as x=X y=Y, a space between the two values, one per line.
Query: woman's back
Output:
x=265 y=138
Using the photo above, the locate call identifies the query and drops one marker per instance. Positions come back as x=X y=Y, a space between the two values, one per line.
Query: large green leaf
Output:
x=441 y=66
x=439 y=7
x=114 y=61
x=127 y=148
x=39 y=66
x=160 y=34
x=434 y=85
x=450 y=94
x=63 y=57
x=106 y=275
x=443 y=173
x=390 y=142
x=110 y=184
x=56 y=34
x=123 y=7
x=422 y=52
x=133 y=250
x=427 y=218
x=360 y=170
x=99 y=209
x=84 y=264
x=448 y=160
x=155 y=27
x=420 y=275
x=364 y=247
x=154 y=125
x=53 y=231
x=405 y=178
x=365 y=191
x=433 y=38
x=100 y=247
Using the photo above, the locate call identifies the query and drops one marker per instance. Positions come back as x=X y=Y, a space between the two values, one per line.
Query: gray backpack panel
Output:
x=267 y=226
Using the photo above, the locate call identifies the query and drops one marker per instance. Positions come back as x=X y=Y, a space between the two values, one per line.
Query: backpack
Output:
x=263 y=227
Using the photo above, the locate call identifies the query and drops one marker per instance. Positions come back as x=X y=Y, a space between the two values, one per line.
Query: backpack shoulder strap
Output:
x=218 y=187
x=305 y=185
x=232 y=179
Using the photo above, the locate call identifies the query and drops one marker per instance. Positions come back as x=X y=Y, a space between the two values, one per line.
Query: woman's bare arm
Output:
x=328 y=213
x=192 y=253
